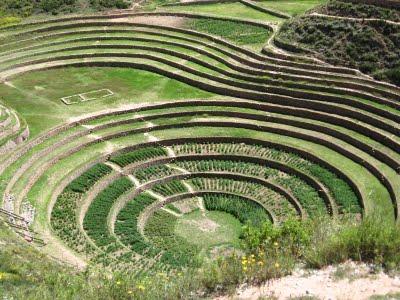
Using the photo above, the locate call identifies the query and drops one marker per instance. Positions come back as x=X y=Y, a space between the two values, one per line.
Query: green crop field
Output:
x=152 y=140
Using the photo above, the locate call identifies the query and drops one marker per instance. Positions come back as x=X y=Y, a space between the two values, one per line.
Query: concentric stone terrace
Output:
x=282 y=136
x=13 y=129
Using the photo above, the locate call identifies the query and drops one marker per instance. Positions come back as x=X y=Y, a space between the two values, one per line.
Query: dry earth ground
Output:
x=345 y=282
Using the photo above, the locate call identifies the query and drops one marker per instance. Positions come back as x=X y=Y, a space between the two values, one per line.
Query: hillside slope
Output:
x=355 y=35
x=13 y=11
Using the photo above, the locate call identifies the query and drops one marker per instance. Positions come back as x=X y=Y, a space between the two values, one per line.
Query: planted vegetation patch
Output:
x=244 y=210
x=277 y=203
x=64 y=221
x=238 y=33
x=344 y=195
x=155 y=172
x=85 y=181
x=176 y=250
x=142 y=154
x=95 y=222
x=170 y=188
x=126 y=226
x=306 y=195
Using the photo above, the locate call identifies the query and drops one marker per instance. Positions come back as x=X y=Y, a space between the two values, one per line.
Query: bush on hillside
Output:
x=25 y=8
x=392 y=75
x=55 y=6
x=102 y=4
x=21 y=8
x=293 y=235
x=6 y=21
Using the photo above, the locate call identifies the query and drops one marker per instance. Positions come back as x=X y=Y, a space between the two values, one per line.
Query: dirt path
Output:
x=354 y=19
x=345 y=282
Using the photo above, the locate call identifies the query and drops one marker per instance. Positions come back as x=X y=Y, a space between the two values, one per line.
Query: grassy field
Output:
x=291 y=7
x=236 y=10
x=37 y=96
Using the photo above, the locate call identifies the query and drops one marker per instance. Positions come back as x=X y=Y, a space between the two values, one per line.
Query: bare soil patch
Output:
x=153 y=20
x=205 y=225
x=344 y=282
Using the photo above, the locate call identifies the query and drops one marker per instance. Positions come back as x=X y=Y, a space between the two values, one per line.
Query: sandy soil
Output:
x=345 y=282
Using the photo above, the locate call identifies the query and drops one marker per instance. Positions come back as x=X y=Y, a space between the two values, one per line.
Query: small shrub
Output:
x=18 y=8
x=293 y=236
x=6 y=21
x=53 y=6
x=393 y=75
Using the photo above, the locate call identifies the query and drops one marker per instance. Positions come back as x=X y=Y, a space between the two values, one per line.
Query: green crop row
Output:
x=345 y=197
x=170 y=188
x=154 y=172
x=126 y=226
x=265 y=196
x=139 y=155
x=342 y=192
x=244 y=210
x=95 y=222
x=86 y=180
x=306 y=195
x=63 y=216
x=63 y=222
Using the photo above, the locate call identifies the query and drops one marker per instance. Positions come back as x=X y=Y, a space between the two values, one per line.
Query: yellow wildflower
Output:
x=277 y=265
x=260 y=263
x=118 y=282
x=141 y=287
x=276 y=244
x=130 y=292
